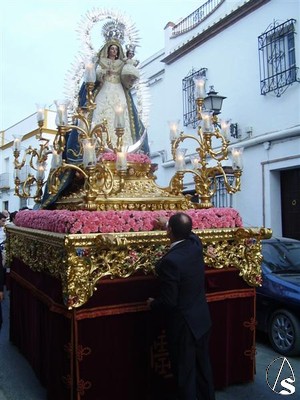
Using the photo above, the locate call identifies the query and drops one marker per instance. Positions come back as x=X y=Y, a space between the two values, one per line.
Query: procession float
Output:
x=82 y=262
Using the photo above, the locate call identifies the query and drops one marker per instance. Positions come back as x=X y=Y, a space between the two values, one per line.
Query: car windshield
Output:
x=282 y=256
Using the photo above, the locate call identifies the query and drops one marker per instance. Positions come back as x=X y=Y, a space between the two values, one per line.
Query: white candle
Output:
x=206 y=118
x=121 y=162
x=225 y=126
x=17 y=144
x=180 y=162
x=40 y=113
x=236 y=154
x=174 y=130
x=200 y=92
x=59 y=117
x=89 y=154
x=40 y=173
x=119 y=117
x=90 y=72
x=180 y=159
x=61 y=113
x=56 y=159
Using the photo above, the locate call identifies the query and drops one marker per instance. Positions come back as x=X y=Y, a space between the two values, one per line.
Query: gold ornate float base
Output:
x=131 y=189
x=80 y=261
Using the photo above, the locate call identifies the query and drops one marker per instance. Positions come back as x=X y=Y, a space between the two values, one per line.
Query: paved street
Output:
x=259 y=390
x=18 y=382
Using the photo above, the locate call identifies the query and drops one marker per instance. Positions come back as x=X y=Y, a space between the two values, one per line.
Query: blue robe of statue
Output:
x=109 y=90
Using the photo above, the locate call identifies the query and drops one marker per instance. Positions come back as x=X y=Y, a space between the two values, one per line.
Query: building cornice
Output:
x=213 y=30
x=28 y=136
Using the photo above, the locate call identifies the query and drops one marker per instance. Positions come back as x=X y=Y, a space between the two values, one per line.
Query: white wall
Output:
x=232 y=60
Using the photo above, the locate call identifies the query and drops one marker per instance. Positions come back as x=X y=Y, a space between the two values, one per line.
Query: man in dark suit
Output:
x=182 y=299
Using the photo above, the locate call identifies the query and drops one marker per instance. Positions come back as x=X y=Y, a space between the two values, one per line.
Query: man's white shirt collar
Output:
x=174 y=243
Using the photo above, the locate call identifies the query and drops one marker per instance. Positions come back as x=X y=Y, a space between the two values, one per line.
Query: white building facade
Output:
x=249 y=51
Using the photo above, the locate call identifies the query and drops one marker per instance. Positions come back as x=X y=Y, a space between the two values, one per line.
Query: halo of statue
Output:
x=114 y=25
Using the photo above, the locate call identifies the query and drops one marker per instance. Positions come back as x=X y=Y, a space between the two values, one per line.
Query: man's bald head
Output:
x=180 y=225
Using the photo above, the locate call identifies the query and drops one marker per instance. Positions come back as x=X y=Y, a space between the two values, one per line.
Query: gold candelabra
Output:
x=93 y=141
x=36 y=160
x=205 y=176
x=99 y=183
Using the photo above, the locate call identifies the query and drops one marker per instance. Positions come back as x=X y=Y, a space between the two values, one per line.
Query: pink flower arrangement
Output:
x=131 y=157
x=74 y=222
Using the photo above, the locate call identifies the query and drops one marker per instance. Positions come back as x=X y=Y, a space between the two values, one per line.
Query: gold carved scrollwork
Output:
x=102 y=178
x=110 y=255
x=40 y=252
x=242 y=251
x=81 y=261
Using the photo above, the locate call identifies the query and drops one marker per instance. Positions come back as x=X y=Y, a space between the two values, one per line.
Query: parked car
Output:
x=278 y=299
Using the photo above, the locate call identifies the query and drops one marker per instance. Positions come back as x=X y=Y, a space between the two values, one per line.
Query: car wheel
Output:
x=284 y=333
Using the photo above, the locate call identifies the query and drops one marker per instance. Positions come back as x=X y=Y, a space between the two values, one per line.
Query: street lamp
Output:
x=213 y=101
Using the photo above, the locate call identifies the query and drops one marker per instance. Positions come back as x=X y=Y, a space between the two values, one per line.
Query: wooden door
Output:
x=290 y=203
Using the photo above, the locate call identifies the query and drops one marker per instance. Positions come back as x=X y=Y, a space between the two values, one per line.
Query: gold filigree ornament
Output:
x=239 y=248
x=106 y=188
x=81 y=261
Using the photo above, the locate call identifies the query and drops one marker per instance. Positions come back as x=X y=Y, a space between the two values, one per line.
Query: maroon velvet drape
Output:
x=113 y=347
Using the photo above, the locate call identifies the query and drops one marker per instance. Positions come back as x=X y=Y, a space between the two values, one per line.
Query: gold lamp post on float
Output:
x=209 y=128
x=33 y=162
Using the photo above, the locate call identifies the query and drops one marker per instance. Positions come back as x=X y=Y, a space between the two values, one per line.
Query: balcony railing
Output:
x=6 y=179
x=196 y=17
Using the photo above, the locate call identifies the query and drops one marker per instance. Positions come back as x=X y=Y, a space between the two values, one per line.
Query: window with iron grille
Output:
x=189 y=105
x=277 y=58
x=221 y=198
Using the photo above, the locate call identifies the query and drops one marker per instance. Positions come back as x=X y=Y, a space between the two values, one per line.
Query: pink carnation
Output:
x=65 y=221
x=131 y=157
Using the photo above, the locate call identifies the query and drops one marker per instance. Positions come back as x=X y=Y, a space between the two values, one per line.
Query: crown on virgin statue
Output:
x=114 y=30
x=130 y=47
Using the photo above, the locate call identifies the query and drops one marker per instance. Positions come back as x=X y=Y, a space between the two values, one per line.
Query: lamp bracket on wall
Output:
x=234 y=132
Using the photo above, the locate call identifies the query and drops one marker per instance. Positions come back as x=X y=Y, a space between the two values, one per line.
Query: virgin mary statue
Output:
x=114 y=90
x=116 y=74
